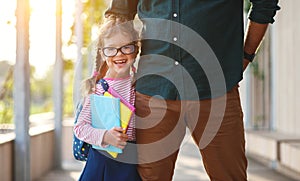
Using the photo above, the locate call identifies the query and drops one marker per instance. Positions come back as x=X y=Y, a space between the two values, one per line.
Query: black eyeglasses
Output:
x=112 y=51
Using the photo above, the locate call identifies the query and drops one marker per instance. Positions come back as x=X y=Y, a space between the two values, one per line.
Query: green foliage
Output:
x=247 y=6
x=93 y=11
x=6 y=101
x=68 y=91
x=41 y=95
x=259 y=74
x=41 y=92
x=92 y=14
x=68 y=65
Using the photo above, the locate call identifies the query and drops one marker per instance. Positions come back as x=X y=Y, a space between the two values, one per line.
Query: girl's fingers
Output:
x=119 y=129
x=124 y=137
x=118 y=138
x=122 y=145
x=119 y=133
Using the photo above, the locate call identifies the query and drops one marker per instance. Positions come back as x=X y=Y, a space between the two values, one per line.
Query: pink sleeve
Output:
x=83 y=128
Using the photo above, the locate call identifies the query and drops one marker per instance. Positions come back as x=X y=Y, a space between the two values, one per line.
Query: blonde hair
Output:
x=112 y=24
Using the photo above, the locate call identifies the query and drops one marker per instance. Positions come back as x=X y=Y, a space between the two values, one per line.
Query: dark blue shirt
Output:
x=191 y=49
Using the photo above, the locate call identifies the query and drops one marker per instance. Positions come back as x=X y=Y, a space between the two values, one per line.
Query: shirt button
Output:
x=175 y=38
x=175 y=15
x=176 y=63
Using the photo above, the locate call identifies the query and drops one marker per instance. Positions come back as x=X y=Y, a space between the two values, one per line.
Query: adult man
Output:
x=193 y=56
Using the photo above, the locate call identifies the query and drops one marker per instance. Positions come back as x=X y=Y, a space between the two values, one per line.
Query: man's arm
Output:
x=261 y=14
x=254 y=34
x=125 y=8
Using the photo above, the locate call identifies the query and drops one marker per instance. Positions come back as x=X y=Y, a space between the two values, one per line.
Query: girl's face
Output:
x=119 y=55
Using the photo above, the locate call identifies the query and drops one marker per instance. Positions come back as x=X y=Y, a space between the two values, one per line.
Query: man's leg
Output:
x=159 y=135
x=221 y=139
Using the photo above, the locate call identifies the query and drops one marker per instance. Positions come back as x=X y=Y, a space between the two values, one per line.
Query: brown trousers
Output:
x=216 y=126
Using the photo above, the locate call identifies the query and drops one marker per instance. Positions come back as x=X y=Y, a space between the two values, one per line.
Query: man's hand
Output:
x=254 y=35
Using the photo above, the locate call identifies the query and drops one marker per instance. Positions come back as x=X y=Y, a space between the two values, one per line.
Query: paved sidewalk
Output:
x=189 y=167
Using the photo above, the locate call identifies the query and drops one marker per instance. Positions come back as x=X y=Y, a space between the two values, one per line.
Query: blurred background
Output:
x=42 y=55
x=39 y=85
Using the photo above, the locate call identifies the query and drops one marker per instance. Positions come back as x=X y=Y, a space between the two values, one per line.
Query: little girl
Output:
x=117 y=50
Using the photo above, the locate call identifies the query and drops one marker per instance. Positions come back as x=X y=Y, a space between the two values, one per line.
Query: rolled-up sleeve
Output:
x=263 y=11
x=127 y=8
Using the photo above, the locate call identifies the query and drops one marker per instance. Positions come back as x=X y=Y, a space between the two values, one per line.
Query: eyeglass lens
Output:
x=112 y=51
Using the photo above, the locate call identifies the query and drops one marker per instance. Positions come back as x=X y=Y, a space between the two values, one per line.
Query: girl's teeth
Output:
x=120 y=61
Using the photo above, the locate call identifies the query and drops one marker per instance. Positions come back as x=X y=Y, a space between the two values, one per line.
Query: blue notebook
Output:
x=105 y=115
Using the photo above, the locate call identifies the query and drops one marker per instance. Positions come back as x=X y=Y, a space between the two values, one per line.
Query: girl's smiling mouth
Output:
x=120 y=61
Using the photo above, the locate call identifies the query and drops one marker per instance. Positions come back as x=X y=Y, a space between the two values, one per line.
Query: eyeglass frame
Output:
x=119 y=49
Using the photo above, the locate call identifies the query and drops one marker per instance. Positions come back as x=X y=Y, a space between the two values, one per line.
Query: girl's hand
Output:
x=115 y=137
